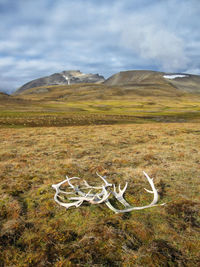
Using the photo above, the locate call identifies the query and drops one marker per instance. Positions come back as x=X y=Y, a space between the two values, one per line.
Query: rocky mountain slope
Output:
x=149 y=79
x=62 y=78
x=76 y=86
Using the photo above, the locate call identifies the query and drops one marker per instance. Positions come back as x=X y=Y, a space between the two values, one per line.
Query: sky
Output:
x=41 y=37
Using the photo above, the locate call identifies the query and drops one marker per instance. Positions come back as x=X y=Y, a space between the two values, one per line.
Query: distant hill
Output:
x=12 y=102
x=121 y=86
x=3 y=96
x=129 y=96
x=62 y=78
x=153 y=79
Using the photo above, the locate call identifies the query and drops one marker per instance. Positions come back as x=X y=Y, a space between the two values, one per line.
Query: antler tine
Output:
x=124 y=189
x=119 y=195
x=103 y=178
x=57 y=187
x=154 y=191
x=89 y=186
x=114 y=188
x=72 y=178
x=149 y=191
x=105 y=193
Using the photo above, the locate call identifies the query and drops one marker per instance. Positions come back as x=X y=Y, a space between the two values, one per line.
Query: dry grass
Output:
x=35 y=231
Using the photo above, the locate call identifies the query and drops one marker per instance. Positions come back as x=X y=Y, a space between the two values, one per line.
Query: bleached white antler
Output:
x=97 y=198
x=57 y=187
x=102 y=196
x=92 y=198
x=152 y=204
x=119 y=195
x=89 y=186
x=66 y=205
x=154 y=191
x=104 y=179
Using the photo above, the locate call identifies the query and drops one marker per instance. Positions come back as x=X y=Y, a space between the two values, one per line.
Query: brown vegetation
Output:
x=35 y=231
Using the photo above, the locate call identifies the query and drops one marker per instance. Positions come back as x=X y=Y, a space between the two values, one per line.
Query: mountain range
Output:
x=145 y=78
x=63 y=78
x=143 y=82
x=128 y=96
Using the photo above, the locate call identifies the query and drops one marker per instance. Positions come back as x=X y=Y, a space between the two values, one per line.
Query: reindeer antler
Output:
x=130 y=208
x=92 y=198
x=101 y=197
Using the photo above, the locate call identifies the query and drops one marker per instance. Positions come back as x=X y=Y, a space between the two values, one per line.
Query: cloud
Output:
x=150 y=34
x=195 y=71
x=38 y=38
x=152 y=42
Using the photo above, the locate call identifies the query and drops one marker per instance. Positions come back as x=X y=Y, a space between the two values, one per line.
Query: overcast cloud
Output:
x=41 y=37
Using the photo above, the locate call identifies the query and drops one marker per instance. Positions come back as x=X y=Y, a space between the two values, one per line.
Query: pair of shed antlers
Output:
x=102 y=195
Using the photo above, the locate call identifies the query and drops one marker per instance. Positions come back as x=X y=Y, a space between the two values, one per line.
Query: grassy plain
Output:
x=87 y=104
x=118 y=131
x=35 y=231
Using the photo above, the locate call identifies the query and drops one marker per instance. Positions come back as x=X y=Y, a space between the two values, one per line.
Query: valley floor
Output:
x=92 y=104
x=35 y=231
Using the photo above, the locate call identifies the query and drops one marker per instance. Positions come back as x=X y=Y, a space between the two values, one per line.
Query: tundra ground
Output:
x=35 y=231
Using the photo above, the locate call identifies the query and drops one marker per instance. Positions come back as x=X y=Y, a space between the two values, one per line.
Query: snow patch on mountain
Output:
x=67 y=79
x=174 y=76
